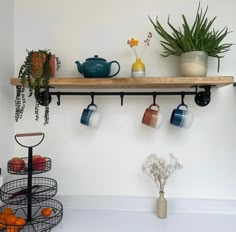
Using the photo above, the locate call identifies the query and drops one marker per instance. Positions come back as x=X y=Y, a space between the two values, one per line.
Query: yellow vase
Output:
x=138 y=68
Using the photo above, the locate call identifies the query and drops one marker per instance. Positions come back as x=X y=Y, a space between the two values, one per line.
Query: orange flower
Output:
x=133 y=42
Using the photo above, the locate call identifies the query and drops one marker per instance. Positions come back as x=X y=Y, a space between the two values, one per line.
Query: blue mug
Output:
x=181 y=117
x=90 y=117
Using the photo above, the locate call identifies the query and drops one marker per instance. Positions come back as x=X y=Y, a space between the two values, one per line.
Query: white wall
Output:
x=107 y=160
x=6 y=91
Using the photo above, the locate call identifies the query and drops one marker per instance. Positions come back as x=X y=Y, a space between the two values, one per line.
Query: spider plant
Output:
x=198 y=37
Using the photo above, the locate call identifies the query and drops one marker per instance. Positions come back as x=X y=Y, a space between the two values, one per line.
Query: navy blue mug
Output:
x=90 y=117
x=181 y=117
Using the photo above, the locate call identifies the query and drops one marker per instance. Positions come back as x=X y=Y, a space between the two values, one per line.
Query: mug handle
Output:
x=92 y=104
x=117 y=70
x=158 y=107
x=182 y=105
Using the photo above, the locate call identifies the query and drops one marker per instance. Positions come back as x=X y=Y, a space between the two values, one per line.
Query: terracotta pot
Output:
x=38 y=60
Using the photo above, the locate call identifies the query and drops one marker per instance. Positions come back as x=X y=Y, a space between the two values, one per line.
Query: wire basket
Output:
x=21 y=167
x=16 y=192
x=38 y=222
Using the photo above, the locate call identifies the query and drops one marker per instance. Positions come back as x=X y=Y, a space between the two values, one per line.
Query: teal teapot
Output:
x=96 y=67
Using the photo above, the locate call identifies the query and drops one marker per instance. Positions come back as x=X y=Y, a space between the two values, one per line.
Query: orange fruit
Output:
x=7 y=211
x=11 y=229
x=2 y=224
x=20 y=222
x=11 y=219
x=3 y=216
x=46 y=212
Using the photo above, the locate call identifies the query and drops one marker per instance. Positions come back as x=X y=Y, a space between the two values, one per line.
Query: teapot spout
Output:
x=79 y=67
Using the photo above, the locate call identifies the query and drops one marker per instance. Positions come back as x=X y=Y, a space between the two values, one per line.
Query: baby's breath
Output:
x=159 y=170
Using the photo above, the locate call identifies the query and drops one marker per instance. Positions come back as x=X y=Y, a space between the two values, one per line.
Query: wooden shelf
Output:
x=135 y=83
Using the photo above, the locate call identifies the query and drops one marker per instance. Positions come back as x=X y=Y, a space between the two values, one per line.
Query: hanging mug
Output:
x=152 y=117
x=181 y=117
x=90 y=117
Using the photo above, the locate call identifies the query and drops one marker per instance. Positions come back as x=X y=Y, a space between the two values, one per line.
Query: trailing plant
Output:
x=34 y=73
x=198 y=37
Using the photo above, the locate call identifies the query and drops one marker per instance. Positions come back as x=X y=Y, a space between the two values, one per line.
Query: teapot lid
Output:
x=96 y=58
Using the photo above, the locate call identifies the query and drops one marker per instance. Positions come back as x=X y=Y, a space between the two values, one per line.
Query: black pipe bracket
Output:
x=203 y=98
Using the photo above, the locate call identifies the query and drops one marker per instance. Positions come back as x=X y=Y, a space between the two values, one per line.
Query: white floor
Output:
x=141 y=221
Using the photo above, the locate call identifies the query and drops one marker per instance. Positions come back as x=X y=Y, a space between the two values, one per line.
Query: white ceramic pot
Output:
x=194 y=64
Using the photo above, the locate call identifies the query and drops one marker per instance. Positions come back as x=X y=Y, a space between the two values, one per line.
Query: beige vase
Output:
x=161 y=206
x=194 y=64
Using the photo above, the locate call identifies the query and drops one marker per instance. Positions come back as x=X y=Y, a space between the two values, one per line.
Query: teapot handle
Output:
x=117 y=70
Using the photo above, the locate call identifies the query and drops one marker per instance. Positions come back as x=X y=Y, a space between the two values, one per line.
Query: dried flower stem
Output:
x=146 y=42
x=159 y=170
x=133 y=43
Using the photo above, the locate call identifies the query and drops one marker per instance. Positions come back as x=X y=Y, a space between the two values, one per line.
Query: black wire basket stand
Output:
x=28 y=196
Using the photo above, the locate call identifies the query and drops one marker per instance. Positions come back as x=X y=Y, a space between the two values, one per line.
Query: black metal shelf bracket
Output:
x=202 y=98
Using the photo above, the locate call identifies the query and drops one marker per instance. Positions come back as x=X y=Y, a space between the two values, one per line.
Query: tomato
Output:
x=39 y=163
x=16 y=164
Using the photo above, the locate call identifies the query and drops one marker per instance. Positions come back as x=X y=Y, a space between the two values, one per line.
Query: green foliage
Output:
x=34 y=73
x=198 y=37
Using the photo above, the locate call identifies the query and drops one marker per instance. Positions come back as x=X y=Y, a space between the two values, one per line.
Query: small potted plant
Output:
x=193 y=43
x=38 y=67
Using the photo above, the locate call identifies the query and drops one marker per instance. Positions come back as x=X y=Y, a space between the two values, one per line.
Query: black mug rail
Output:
x=202 y=98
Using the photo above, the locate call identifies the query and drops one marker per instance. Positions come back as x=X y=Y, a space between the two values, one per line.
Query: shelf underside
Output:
x=135 y=83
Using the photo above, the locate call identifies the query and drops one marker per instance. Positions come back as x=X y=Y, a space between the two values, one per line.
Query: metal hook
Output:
x=154 y=98
x=92 y=97
x=121 y=98
x=58 y=98
x=182 y=98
